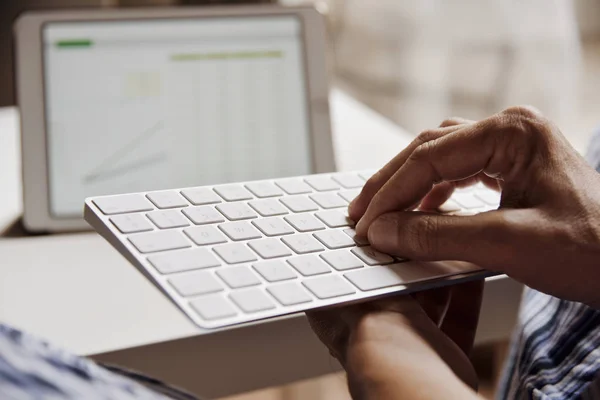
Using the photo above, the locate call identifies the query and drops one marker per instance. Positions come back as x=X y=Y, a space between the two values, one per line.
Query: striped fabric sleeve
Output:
x=555 y=350
x=32 y=369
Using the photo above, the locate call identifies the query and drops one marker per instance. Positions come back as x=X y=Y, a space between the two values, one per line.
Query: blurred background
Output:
x=420 y=61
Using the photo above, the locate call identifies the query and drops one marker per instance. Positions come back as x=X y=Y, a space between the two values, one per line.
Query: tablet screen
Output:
x=152 y=104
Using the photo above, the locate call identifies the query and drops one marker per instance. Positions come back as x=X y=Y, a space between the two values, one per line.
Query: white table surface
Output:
x=78 y=292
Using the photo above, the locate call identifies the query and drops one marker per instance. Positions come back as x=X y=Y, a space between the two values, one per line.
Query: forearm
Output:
x=386 y=360
x=425 y=386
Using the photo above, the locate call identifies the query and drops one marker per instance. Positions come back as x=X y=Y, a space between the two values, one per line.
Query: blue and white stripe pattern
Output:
x=31 y=369
x=555 y=351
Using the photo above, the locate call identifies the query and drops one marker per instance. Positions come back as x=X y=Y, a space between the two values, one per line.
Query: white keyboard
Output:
x=235 y=253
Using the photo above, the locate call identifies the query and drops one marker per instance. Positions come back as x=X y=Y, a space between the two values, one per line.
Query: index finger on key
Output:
x=359 y=205
x=464 y=153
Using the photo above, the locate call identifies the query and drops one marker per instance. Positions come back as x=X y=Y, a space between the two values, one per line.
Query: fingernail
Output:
x=380 y=231
x=360 y=226
x=351 y=205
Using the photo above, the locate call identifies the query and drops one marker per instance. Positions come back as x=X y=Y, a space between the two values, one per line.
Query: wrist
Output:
x=410 y=378
x=387 y=358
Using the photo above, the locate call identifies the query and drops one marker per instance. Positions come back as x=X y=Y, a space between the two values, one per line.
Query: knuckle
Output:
x=522 y=130
x=423 y=151
x=427 y=136
x=452 y=121
x=367 y=324
x=526 y=121
x=372 y=185
x=525 y=111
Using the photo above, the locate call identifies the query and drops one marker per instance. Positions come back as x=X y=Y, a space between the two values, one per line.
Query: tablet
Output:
x=116 y=101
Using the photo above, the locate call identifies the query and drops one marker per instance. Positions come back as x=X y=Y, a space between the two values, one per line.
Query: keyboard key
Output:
x=399 y=274
x=466 y=189
x=299 y=204
x=131 y=223
x=348 y=181
x=240 y=230
x=195 y=283
x=448 y=207
x=467 y=200
x=321 y=183
x=237 y=277
x=302 y=243
x=269 y=248
x=203 y=215
x=268 y=208
x=264 y=189
x=489 y=197
x=358 y=240
x=122 y=204
x=167 y=199
x=273 y=226
x=334 y=239
x=370 y=256
x=201 y=196
x=289 y=294
x=236 y=211
x=213 y=307
x=375 y=277
x=159 y=241
x=252 y=300
x=334 y=218
x=233 y=192
x=366 y=175
x=183 y=260
x=349 y=195
x=328 y=200
x=341 y=260
x=234 y=253
x=330 y=286
x=168 y=219
x=275 y=271
x=262 y=249
x=309 y=265
x=304 y=222
x=294 y=186
x=203 y=235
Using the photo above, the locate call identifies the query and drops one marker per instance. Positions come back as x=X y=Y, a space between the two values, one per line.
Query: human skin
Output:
x=546 y=234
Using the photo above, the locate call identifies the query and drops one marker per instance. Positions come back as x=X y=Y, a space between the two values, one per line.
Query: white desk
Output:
x=78 y=292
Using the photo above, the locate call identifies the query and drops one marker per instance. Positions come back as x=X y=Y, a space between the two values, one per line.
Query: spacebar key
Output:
x=397 y=274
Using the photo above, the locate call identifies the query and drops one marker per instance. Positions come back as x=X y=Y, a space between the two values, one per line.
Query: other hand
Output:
x=546 y=232
x=406 y=347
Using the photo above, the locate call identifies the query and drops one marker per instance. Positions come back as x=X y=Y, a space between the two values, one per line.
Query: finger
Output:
x=462 y=315
x=484 y=239
x=359 y=205
x=330 y=329
x=443 y=191
x=434 y=302
x=480 y=147
x=437 y=196
x=455 y=121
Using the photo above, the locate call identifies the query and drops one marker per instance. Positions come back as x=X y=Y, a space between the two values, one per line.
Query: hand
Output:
x=546 y=232
x=406 y=347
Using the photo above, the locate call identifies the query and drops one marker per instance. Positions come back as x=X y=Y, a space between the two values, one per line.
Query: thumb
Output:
x=425 y=236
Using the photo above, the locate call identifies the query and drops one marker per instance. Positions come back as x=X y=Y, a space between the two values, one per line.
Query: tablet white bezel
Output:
x=31 y=100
